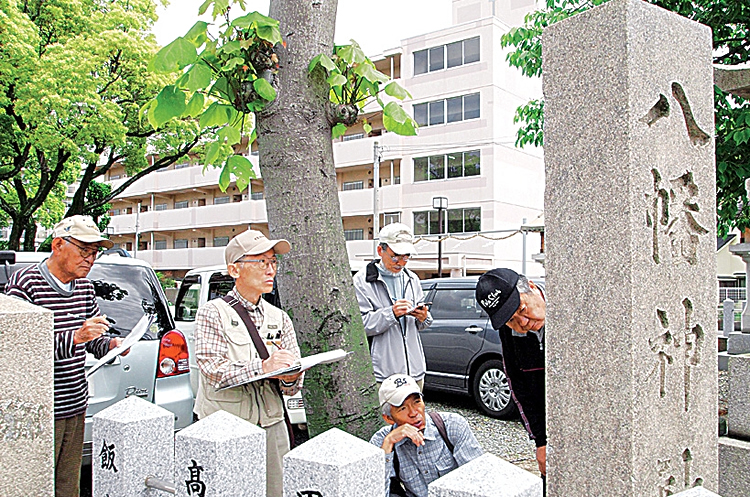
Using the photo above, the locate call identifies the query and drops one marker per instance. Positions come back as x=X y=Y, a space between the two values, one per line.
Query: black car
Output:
x=463 y=351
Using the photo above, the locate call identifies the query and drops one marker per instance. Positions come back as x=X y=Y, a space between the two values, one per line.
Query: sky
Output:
x=376 y=26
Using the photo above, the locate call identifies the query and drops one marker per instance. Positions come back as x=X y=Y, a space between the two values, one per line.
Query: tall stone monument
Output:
x=27 y=439
x=631 y=271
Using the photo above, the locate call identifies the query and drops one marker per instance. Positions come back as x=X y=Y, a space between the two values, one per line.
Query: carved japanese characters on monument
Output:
x=684 y=343
x=676 y=476
x=107 y=457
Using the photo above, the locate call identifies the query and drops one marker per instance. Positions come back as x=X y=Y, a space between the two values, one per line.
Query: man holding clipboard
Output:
x=241 y=336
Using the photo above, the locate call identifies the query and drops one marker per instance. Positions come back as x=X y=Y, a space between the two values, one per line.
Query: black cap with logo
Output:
x=497 y=294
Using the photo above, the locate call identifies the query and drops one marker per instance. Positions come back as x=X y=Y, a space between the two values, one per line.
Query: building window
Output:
x=113 y=177
x=256 y=196
x=182 y=204
x=114 y=212
x=356 y=136
x=391 y=217
x=459 y=164
x=451 y=55
x=455 y=109
x=353 y=185
x=221 y=200
x=182 y=165
x=357 y=234
x=458 y=221
x=221 y=241
x=160 y=245
x=160 y=207
x=180 y=243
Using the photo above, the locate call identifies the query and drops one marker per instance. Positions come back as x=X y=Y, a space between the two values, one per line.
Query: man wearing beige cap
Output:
x=419 y=449
x=59 y=284
x=242 y=336
x=391 y=303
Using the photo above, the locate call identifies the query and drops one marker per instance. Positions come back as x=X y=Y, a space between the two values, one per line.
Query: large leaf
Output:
x=195 y=105
x=323 y=60
x=338 y=130
x=222 y=89
x=198 y=34
x=230 y=134
x=170 y=102
x=396 y=90
x=396 y=119
x=266 y=28
x=369 y=72
x=217 y=115
x=212 y=152
x=336 y=79
x=264 y=89
x=351 y=54
x=174 y=57
x=242 y=169
x=198 y=77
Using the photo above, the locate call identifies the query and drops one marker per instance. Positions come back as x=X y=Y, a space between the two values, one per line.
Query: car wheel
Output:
x=491 y=391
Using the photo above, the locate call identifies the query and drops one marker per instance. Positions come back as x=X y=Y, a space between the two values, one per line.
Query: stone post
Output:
x=734 y=449
x=487 y=476
x=727 y=308
x=27 y=439
x=334 y=464
x=221 y=455
x=132 y=440
x=631 y=259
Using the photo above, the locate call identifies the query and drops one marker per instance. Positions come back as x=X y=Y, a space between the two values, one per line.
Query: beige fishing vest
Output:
x=258 y=402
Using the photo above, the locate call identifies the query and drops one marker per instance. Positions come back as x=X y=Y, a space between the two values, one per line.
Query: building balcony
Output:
x=181 y=259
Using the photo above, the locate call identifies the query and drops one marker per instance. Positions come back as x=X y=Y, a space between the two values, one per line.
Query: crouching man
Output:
x=419 y=449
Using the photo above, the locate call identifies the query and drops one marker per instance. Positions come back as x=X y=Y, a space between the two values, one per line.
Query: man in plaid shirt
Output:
x=229 y=360
x=415 y=441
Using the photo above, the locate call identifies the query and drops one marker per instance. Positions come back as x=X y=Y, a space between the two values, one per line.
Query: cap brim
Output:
x=506 y=311
x=103 y=242
x=402 y=248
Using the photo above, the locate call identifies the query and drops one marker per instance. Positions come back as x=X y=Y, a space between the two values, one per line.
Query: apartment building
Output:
x=464 y=160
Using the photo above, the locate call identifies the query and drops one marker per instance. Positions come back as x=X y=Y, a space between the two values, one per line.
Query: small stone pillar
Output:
x=728 y=312
x=742 y=250
x=221 y=455
x=132 y=439
x=487 y=476
x=335 y=464
x=27 y=438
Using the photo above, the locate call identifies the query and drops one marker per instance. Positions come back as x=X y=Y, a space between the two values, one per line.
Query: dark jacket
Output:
x=523 y=357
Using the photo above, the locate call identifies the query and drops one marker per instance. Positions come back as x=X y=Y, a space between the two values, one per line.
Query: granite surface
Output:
x=335 y=464
x=734 y=461
x=221 y=455
x=631 y=263
x=487 y=476
x=738 y=420
x=132 y=439
x=26 y=399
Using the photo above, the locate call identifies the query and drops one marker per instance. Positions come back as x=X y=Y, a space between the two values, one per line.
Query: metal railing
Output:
x=734 y=293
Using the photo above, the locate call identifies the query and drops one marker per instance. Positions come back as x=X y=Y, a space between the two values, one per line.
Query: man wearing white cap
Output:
x=242 y=336
x=419 y=449
x=391 y=302
x=59 y=284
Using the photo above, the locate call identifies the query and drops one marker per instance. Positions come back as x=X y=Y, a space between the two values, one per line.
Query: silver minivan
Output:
x=157 y=367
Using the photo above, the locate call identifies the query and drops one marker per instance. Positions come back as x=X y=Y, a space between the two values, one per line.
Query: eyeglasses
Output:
x=260 y=263
x=85 y=252
x=395 y=257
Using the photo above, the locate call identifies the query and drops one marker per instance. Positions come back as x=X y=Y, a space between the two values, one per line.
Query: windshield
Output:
x=125 y=294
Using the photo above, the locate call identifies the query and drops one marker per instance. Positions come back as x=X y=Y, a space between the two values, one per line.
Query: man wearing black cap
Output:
x=517 y=309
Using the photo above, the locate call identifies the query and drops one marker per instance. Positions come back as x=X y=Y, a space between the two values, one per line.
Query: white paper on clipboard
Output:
x=138 y=331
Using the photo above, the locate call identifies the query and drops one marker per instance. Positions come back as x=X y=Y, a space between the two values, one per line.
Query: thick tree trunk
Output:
x=296 y=158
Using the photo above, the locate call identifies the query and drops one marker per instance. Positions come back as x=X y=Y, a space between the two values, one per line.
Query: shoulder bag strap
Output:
x=440 y=425
x=245 y=316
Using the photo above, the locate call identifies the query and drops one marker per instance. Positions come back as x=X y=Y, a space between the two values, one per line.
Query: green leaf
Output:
x=204 y=7
x=266 y=28
x=212 y=152
x=198 y=34
x=396 y=90
x=336 y=79
x=232 y=63
x=351 y=54
x=222 y=89
x=195 y=105
x=225 y=178
x=242 y=169
x=338 y=130
x=367 y=127
x=230 y=134
x=264 y=89
x=170 y=102
x=396 y=112
x=217 y=115
x=369 y=72
x=174 y=57
x=233 y=47
x=323 y=60
x=198 y=77
x=408 y=128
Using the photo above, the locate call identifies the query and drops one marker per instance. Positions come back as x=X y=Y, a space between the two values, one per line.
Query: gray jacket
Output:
x=393 y=349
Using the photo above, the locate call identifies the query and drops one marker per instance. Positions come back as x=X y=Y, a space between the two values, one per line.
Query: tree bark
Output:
x=315 y=282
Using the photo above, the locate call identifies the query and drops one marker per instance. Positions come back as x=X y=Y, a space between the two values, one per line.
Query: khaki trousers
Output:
x=68 y=455
x=277 y=444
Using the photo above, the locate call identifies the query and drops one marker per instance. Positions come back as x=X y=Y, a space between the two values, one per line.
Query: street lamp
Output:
x=441 y=204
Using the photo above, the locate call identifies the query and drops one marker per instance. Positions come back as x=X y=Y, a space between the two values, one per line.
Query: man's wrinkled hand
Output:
x=116 y=342
x=91 y=329
x=279 y=359
x=400 y=433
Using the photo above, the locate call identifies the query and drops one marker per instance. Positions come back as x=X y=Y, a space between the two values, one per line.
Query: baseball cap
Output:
x=399 y=237
x=83 y=229
x=497 y=294
x=253 y=242
x=396 y=388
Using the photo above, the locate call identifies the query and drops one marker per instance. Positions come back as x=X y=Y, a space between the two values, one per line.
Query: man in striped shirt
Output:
x=59 y=284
